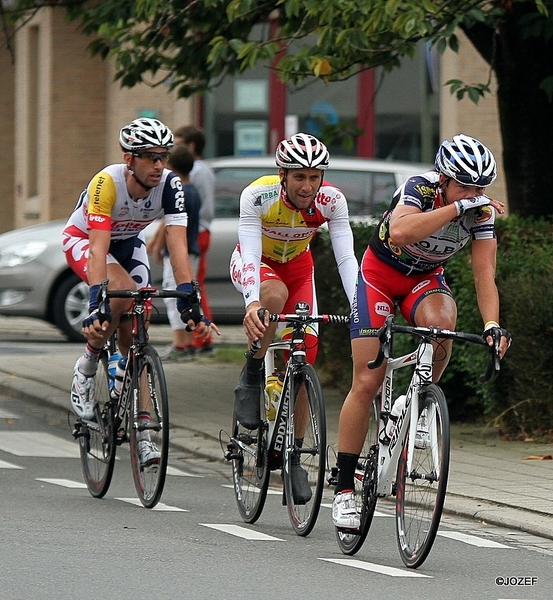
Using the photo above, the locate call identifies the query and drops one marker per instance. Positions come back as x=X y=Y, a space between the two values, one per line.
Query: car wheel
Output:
x=70 y=307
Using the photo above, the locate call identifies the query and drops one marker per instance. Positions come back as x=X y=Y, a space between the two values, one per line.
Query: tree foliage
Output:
x=194 y=44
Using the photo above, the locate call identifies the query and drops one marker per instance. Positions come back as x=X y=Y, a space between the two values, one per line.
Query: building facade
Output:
x=62 y=113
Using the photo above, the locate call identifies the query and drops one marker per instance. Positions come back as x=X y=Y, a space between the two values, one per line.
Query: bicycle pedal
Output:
x=348 y=531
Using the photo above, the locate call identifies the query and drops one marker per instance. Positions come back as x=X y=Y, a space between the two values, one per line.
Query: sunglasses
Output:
x=154 y=156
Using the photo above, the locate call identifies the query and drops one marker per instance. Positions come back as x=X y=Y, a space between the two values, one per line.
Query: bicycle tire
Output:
x=310 y=456
x=149 y=381
x=366 y=480
x=97 y=437
x=250 y=468
x=421 y=494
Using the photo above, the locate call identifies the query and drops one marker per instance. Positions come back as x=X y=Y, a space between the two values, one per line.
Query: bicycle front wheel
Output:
x=250 y=469
x=421 y=491
x=304 y=460
x=149 y=428
x=97 y=437
x=365 y=482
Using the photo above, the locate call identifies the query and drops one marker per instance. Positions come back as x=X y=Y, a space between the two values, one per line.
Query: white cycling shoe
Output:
x=149 y=455
x=344 y=511
x=82 y=394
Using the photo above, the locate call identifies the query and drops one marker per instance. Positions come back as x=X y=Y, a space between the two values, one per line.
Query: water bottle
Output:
x=119 y=376
x=273 y=390
x=397 y=409
x=112 y=366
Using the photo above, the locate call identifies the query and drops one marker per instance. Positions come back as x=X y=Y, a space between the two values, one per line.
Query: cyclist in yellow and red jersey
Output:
x=104 y=239
x=272 y=265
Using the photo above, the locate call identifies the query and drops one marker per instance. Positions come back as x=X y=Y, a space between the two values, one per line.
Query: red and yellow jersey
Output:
x=270 y=227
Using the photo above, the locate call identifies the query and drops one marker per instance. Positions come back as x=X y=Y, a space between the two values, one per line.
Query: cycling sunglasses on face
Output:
x=154 y=156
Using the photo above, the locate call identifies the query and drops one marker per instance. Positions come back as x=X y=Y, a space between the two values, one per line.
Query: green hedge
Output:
x=520 y=399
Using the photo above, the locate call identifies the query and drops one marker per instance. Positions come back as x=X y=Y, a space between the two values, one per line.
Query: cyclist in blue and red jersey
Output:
x=104 y=239
x=431 y=217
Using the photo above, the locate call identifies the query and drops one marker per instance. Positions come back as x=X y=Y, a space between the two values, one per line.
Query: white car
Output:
x=35 y=280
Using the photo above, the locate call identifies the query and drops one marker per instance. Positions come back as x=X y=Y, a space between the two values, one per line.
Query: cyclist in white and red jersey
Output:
x=104 y=239
x=432 y=216
x=272 y=265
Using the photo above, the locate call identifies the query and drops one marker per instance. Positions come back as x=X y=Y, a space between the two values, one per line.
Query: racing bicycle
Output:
x=139 y=412
x=408 y=459
x=293 y=429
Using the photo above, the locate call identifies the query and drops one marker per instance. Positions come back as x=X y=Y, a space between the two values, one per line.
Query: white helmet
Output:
x=144 y=133
x=302 y=151
x=466 y=160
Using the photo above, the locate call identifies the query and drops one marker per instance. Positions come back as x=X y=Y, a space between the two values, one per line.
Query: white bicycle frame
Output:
x=281 y=416
x=388 y=454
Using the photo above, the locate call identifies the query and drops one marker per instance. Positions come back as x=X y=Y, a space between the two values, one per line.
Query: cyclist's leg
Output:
x=273 y=295
x=431 y=304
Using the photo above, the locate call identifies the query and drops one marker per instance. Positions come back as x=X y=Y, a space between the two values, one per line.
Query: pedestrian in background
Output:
x=203 y=178
x=180 y=162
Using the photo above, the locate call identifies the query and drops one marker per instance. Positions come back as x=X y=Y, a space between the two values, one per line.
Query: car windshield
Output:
x=367 y=193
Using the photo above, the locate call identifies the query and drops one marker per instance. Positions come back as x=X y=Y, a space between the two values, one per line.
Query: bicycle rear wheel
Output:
x=366 y=479
x=304 y=457
x=250 y=468
x=149 y=428
x=97 y=438
x=421 y=493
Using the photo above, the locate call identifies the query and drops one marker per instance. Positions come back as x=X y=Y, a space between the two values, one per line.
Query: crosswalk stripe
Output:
x=159 y=506
x=366 y=566
x=179 y=473
x=63 y=482
x=242 y=532
x=256 y=491
x=377 y=513
x=472 y=540
x=7 y=465
x=34 y=443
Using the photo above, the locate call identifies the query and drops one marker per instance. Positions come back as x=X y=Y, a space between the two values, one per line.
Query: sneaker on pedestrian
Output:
x=149 y=455
x=82 y=394
x=246 y=401
x=422 y=437
x=344 y=511
x=301 y=492
x=174 y=354
x=206 y=349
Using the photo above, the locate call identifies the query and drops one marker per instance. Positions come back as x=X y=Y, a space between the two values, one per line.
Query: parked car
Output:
x=35 y=280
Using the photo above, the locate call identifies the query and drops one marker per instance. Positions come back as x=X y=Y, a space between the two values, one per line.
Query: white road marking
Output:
x=63 y=482
x=160 y=506
x=6 y=414
x=7 y=465
x=256 y=491
x=366 y=566
x=242 y=532
x=179 y=473
x=472 y=540
x=34 y=443
x=377 y=513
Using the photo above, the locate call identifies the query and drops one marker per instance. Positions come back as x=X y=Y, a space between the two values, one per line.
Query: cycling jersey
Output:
x=422 y=192
x=272 y=228
x=106 y=204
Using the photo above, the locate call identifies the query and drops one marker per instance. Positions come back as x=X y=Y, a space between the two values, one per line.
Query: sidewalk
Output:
x=498 y=482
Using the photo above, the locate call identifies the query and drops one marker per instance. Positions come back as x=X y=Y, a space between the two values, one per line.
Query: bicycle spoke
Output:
x=149 y=429
x=304 y=466
x=97 y=439
x=421 y=491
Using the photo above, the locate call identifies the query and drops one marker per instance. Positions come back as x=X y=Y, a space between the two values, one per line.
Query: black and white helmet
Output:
x=144 y=133
x=302 y=151
x=466 y=160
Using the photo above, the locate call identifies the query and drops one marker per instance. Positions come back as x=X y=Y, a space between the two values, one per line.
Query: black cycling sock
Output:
x=346 y=471
x=253 y=370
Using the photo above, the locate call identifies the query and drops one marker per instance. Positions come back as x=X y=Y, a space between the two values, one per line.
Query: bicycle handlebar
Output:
x=436 y=333
x=300 y=318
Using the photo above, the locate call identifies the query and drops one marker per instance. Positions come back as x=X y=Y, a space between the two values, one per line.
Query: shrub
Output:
x=520 y=399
